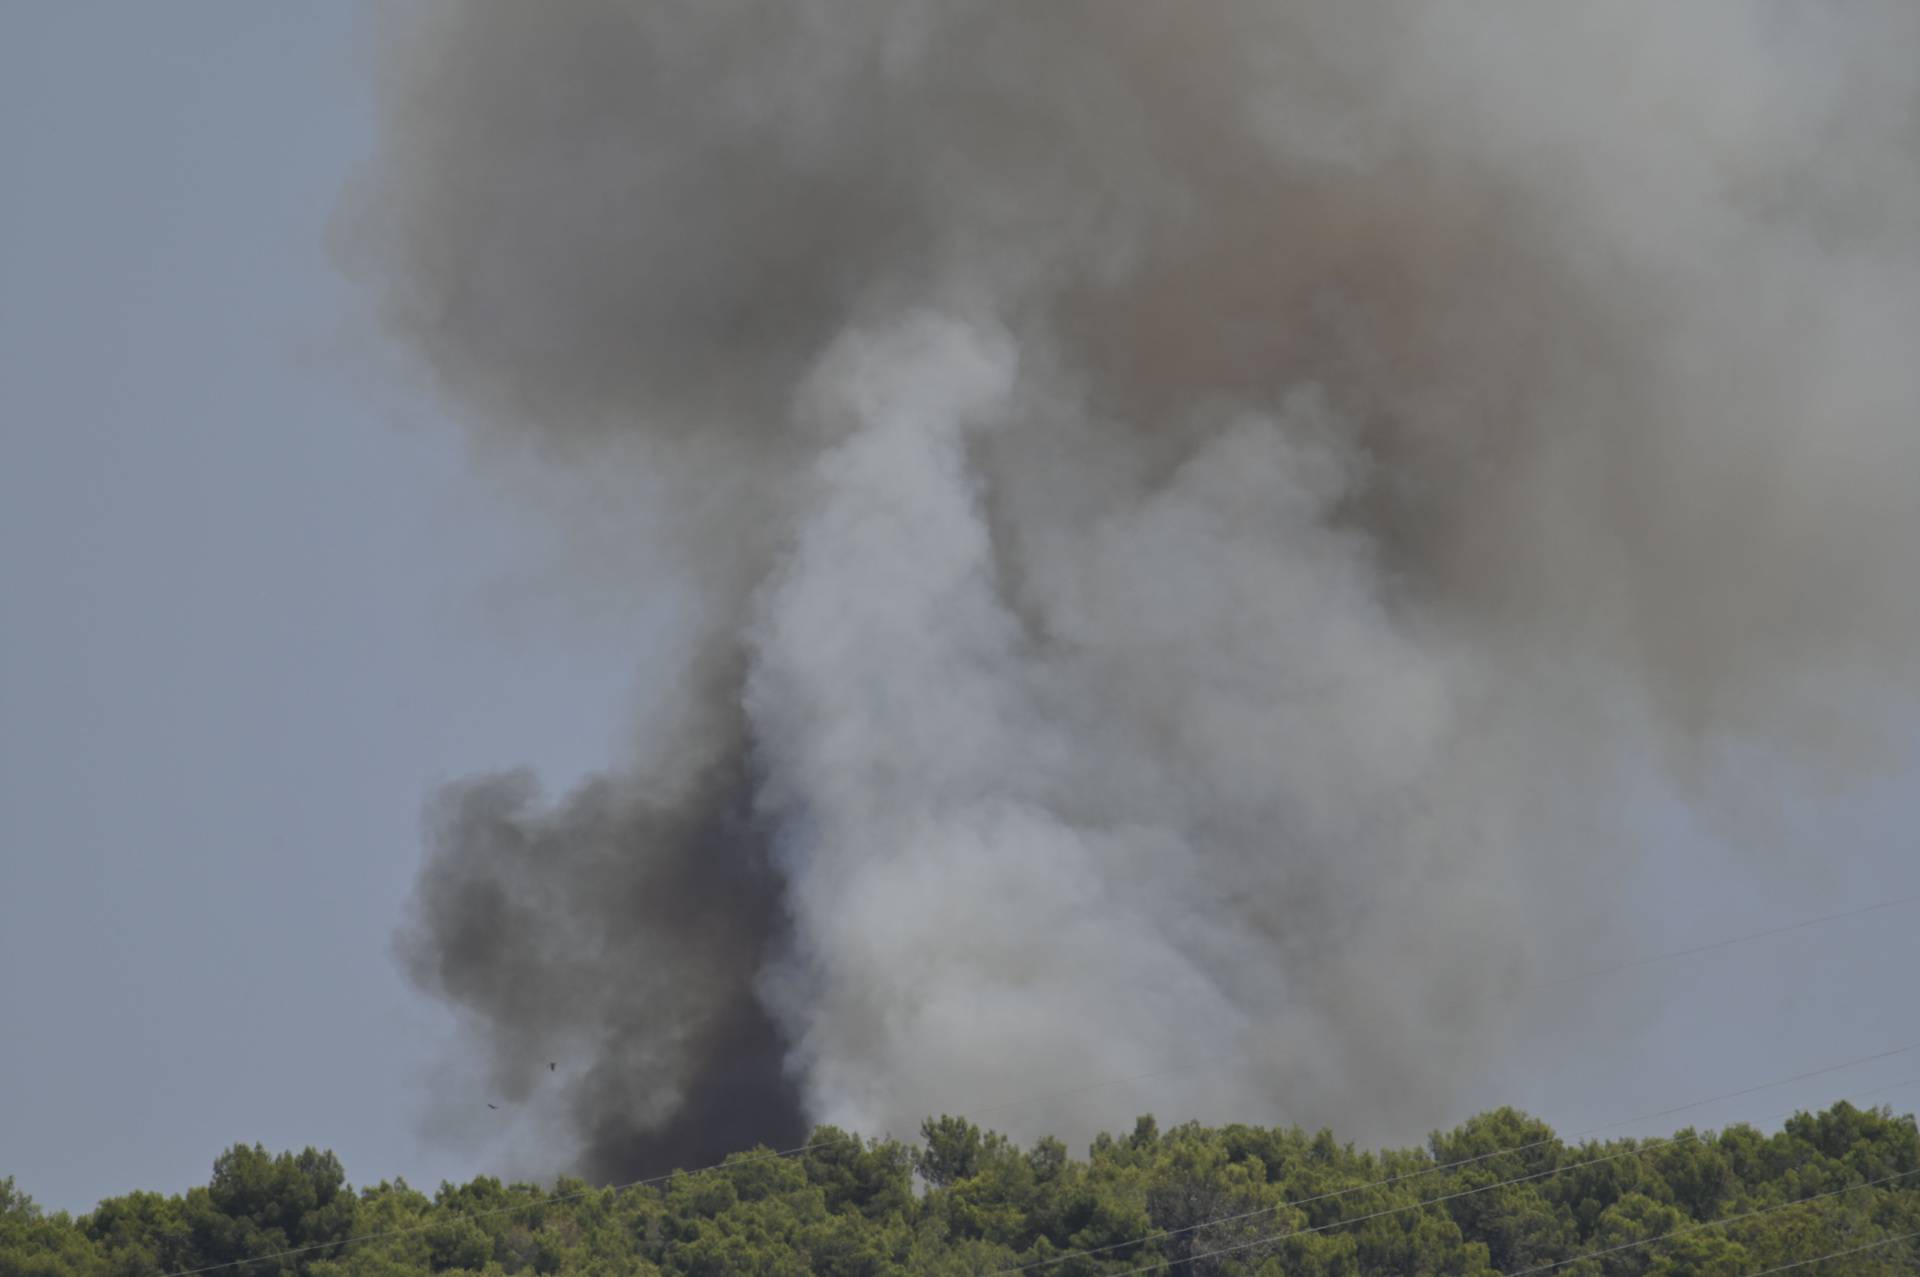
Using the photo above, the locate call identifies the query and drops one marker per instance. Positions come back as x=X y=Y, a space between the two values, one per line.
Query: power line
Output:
x=804 y=1148
x=1608 y=969
x=1836 y=1254
x=1729 y=942
x=748 y=1160
x=1355 y=1188
x=742 y=1161
x=1485 y=1188
x=1409 y=1206
x=1503 y=1152
x=1711 y=1223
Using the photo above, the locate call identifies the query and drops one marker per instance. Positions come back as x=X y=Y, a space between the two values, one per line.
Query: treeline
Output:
x=1498 y=1195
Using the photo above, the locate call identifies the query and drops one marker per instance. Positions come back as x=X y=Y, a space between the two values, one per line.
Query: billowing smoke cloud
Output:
x=1194 y=518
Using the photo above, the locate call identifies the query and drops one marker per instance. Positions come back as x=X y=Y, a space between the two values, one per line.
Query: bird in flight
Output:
x=550 y=1066
x=493 y=1106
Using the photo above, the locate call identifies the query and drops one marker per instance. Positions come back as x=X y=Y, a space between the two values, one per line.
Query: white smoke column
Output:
x=1199 y=518
x=986 y=844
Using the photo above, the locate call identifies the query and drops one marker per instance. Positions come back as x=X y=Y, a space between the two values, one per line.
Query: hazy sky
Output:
x=257 y=604
x=252 y=614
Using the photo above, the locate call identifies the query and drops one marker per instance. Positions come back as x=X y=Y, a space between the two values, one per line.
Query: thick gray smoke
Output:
x=1194 y=518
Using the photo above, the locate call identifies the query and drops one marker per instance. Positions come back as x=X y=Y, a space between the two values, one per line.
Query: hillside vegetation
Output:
x=1500 y=1194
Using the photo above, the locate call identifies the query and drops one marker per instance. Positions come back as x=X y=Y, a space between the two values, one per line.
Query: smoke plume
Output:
x=1192 y=520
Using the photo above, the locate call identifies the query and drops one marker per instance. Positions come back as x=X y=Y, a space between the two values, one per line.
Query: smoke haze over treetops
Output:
x=1191 y=520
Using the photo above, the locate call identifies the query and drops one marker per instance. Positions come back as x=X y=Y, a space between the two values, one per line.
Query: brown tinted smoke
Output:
x=1207 y=513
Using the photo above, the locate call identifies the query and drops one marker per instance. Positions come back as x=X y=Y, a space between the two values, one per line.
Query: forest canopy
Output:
x=1501 y=1194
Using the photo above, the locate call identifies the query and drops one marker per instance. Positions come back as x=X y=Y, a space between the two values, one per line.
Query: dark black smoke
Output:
x=524 y=908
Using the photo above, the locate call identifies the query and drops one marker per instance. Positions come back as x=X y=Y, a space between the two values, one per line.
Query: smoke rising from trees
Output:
x=1194 y=519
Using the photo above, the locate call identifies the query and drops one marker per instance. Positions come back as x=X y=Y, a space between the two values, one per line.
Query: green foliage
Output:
x=1497 y=1194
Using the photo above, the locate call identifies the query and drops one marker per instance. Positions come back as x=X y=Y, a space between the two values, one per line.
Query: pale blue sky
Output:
x=256 y=605
x=253 y=611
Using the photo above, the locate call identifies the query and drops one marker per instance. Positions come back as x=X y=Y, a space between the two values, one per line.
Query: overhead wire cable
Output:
x=1270 y=1238
x=1106 y=1082
x=1695 y=950
x=1699 y=1225
x=1835 y=1254
x=1333 y=1194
